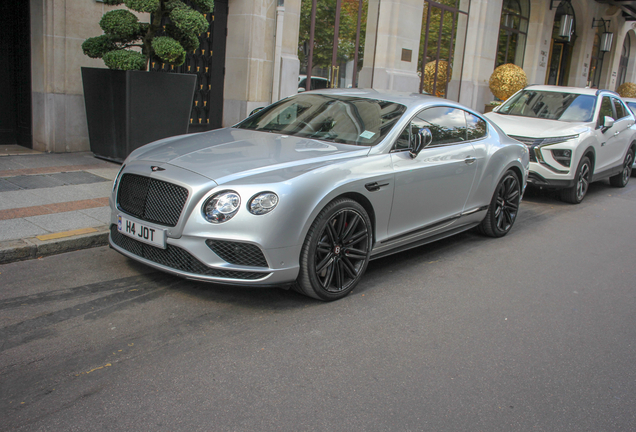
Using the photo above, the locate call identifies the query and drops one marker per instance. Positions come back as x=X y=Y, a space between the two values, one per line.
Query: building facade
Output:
x=262 y=49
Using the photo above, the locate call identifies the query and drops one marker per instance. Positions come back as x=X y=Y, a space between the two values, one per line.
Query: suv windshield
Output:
x=340 y=119
x=568 y=107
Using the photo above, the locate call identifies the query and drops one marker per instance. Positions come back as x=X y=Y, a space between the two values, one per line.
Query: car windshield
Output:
x=568 y=107
x=340 y=119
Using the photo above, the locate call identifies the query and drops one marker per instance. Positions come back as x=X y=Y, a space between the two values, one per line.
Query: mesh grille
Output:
x=151 y=200
x=176 y=258
x=238 y=253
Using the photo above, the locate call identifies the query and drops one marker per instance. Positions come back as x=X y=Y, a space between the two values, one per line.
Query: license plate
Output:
x=142 y=232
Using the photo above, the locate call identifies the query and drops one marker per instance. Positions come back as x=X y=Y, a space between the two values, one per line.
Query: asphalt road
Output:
x=532 y=332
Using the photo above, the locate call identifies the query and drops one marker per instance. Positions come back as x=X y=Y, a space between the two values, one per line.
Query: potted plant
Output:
x=505 y=81
x=127 y=107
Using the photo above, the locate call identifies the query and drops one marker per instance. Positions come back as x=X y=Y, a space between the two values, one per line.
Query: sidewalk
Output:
x=52 y=202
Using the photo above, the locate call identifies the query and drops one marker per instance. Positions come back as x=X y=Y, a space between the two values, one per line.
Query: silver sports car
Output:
x=305 y=192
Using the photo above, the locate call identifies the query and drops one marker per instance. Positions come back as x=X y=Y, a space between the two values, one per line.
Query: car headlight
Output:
x=221 y=207
x=262 y=203
x=562 y=156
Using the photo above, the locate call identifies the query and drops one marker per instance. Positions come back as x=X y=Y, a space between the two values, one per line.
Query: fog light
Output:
x=562 y=156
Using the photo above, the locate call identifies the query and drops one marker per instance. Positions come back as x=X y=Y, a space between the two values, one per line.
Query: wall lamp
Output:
x=607 y=37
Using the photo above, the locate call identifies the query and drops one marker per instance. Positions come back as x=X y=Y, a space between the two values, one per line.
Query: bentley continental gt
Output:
x=305 y=192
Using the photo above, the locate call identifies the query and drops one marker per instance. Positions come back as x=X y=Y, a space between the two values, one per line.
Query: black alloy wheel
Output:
x=620 y=180
x=576 y=193
x=336 y=251
x=504 y=207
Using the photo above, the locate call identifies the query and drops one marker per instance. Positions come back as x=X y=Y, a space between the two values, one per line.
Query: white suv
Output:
x=575 y=136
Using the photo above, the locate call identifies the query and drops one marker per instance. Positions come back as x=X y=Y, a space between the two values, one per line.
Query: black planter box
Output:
x=127 y=109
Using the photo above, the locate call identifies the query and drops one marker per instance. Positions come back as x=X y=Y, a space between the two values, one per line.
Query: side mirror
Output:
x=608 y=122
x=421 y=139
x=255 y=110
x=301 y=89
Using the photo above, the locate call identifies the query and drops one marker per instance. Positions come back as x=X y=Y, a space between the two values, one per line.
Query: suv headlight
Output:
x=562 y=156
x=221 y=207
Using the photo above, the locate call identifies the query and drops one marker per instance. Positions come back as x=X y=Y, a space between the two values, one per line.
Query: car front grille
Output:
x=176 y=258
x=238 y=253
x=151 y=200
x=530 y=143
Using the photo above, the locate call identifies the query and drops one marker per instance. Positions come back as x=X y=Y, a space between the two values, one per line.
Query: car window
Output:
x=334 y=118
x=618 y=107
x=552 y=105
x=475 y=127
x=606 y=108
x=632 y=106
x=319 y=84
x=447 y=125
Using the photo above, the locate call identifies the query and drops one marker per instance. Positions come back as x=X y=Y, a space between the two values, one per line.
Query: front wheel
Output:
x=503 y=209
x=576 y=193
x=620 y=180
x=336 y=251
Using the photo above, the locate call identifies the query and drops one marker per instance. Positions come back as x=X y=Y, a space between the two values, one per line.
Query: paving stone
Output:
x=66 y=221
x=5 y=186
x=34 y=181
x=102 y=214
x=19 y=228
x=76 y=177
x=23 y=198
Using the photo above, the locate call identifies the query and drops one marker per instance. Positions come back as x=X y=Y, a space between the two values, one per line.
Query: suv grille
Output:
x=150 y=199
x=176 y=258
x=238 y=253
x=530 y=143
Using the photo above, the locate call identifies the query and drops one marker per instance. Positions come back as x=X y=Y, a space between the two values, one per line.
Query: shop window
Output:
x=624 y=61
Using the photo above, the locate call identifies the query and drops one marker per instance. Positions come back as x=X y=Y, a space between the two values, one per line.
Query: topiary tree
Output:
x=123 y=31
x=627 y=89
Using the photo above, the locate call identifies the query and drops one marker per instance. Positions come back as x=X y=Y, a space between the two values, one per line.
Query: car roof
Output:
x=560 y=89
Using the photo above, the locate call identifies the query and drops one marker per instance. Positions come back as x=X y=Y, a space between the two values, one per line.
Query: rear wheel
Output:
x=503 y=209
x=336 y=251
x=620 y=180
x=576 y=193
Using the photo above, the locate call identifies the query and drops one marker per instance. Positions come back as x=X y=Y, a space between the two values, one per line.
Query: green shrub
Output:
x=124 y=35
x=125 y=60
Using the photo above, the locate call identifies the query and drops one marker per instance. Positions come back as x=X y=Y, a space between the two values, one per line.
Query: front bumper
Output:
x=192 y=258
x=542 y=176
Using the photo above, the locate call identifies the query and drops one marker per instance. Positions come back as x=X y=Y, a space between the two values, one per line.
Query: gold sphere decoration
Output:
x=507 y=80
x=627 y=89
x=443 y=77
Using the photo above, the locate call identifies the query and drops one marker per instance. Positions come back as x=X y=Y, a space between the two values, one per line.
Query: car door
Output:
x=623 y=133
x=433 y=187
x=607 y=138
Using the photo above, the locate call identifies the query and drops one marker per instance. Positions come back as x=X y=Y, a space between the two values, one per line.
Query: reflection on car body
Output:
x=308 y=190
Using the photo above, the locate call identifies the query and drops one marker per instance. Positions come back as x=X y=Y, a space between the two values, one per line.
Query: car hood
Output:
x=228 y=154
x=534 y=127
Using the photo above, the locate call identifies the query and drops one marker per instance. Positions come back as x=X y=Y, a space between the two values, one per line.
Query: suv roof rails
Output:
x=598 y=92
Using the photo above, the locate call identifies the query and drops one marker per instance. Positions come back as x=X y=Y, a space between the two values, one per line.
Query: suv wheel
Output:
x=576 y=193
x=621 y=179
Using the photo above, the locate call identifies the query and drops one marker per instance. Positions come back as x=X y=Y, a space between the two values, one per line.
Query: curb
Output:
x=30 y=248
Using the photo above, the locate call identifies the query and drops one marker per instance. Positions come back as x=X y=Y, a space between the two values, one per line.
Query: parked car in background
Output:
x=575 y=136
x=306 y=191
x=317 y=83
x=631 y=104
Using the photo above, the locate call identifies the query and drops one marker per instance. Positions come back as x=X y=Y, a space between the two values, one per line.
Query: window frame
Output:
x=408 y=126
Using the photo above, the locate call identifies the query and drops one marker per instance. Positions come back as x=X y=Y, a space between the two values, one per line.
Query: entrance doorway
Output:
x=15 y=74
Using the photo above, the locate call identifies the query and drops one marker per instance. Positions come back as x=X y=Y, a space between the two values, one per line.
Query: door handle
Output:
x=616 y=133
x=375 y=186
x=470 y=160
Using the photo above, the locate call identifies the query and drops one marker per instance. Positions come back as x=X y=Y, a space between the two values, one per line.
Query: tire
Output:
x=576 y=193
x=503 y=208
x=336 y=251
x=620 y=180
